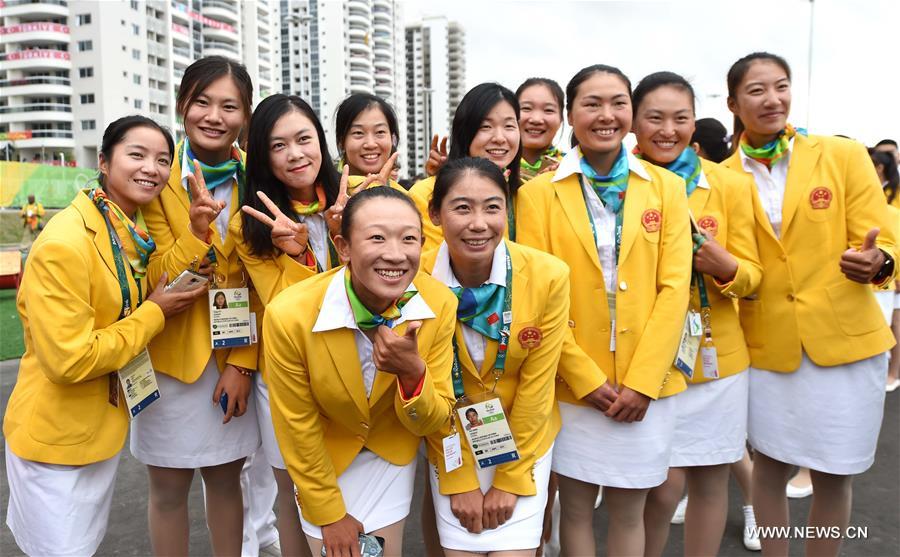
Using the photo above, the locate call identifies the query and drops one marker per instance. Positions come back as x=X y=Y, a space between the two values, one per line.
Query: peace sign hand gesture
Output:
x=204 y=209
x=436 y=157
x=383 y=178
x=290 y=237
x=334 y=213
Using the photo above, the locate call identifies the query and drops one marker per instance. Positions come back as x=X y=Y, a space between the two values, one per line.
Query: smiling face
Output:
x=539 y=117
x=473 y=218
x=294 y=152
x=368 y=143
x=664 y=123
x=762 y=101
x=214 y=120
x=383 y=250
x=601 y=114
x=138 y=168
x=498 y=136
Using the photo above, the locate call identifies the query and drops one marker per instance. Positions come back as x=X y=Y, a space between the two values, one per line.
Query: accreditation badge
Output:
x=229 y=317
x=689 y=345
x=487 y=430
x=138 y=382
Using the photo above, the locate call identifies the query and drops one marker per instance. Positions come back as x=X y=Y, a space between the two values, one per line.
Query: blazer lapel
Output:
x=571 y=198
x=698 y=200
x=342 y=349
x=803 y=162
x=94 y=222
x=635 y=201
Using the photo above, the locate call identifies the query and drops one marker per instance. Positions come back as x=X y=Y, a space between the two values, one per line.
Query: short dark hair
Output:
x=712 y=137
x=582 y=76
x=350 y=109
x=359 y=198
x=471 y=112
x=736 y=74
x=199 y=75
x=455 y=169
x=259 y=171
x=115 y=134
x=656 y=80
x=553 y=86
x=890 y=142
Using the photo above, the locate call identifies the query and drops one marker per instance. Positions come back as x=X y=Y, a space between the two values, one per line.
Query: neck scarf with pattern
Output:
x=480 y=308
x=773 y=151
x=219 y=174
x=141 y=246
x=367 y=320
x=528 y=171
x=687 y=165
x=610 y=189
x=312 y=208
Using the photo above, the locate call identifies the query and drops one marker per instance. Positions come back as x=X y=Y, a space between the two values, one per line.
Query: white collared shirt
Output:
x=476 y=343
x=604 y=218
x=318 y=237
x=336 y=313
x=770 y=184
x=219 y=193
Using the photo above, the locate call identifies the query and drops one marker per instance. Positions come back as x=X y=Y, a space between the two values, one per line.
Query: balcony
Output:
x=35 y=33
x=37 y=112
x=182 y=55
x=222 y=35
x=47 y=8
x=36 y=59
x=382 y=64
x=51 y=139
x=36 y=85
x=221 y=10
x=180 y=12
x=358 y=22
x=222 y=49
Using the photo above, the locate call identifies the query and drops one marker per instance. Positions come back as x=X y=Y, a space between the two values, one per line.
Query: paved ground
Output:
x=876 y=504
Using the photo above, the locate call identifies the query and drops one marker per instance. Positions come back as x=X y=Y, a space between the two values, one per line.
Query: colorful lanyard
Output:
x=120 y=271
x=619 y=222
x=511 y=220
x=500 y=361
x=705 y=308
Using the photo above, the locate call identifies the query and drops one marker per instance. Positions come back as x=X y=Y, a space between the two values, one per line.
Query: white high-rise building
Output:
x=68 y=68
x=435 y=83
x=332 y=48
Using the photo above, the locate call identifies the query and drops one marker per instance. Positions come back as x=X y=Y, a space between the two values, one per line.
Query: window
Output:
x=82 y=19
x=137 y=79
x=85 y=45
x=138 y=104
x=88 y=125
x=134 y=5
x=87 y=98
x=124 y=74
x=86 y=72
x=136 y=54
x=135 y=29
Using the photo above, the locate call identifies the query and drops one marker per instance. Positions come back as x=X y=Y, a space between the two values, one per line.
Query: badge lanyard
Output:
x=120 y=270
x=500 y=361
x=620 y=218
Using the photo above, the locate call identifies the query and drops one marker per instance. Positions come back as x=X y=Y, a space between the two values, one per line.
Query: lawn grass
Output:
x=11 y=225
x=12 y=344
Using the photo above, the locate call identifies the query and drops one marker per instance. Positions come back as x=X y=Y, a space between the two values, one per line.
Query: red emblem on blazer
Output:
x=710 y=224
x=530 y=337
x=820 y=198
x=651 y=220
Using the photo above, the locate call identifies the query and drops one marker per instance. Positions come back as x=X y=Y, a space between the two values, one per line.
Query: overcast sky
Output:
x=855 y=61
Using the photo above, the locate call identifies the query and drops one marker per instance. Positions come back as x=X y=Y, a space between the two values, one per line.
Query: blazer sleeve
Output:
x=535 y=397
x=174 y=252
x=298 y=429
x=61 y=319
x=656 y=350
x=742 y=241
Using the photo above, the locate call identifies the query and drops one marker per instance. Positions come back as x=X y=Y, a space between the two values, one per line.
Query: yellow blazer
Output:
x=832 y=199
x=183 y=348
x=540 y=298
x=354 y=181
x=69 y=303
x=726 y=210
x=654 y=274
x=319 y=408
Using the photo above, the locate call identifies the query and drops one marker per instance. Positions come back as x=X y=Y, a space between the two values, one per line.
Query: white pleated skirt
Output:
x=822 y=418
x=593 y=448
x=266 y=429
x=885 y=300
x=521 y=531
x=711 y=422
x=376 y=492
x=184 y=429
x=57 y=510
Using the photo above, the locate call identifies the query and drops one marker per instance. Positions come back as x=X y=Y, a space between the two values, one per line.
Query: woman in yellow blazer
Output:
x=711 y=426
x=486 y=124
x=67 y=417
x=541 y=102
x=629 y=294
x=496 y=509
x=814 y=327
x=189 y=221
x=886 y=169
x=360 y=375
x=367 y=134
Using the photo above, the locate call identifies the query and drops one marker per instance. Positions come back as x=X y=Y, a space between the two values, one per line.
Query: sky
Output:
x=855 y=77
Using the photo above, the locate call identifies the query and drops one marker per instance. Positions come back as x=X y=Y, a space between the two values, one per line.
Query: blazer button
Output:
x=623 y=286
x=364 y=425
x=783 y=257
x=571 y=324
x=790 y=297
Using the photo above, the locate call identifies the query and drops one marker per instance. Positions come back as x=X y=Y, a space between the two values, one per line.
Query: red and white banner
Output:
x=34 y=26
x=33 y=54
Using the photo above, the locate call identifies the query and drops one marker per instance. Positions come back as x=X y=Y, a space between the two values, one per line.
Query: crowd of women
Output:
x=529 y=320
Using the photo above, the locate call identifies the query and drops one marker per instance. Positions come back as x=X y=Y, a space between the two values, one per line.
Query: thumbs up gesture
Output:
x=399 y=354
x=863 y=264
x=204 y=209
